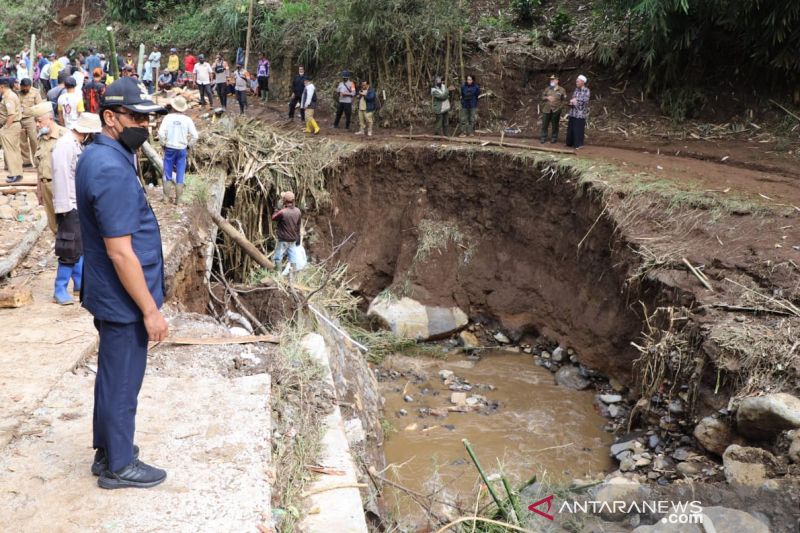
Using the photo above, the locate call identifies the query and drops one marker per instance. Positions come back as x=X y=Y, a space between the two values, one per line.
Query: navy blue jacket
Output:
x=298 y=85
x=469 y=95
x=370 y=98
x=112 y=203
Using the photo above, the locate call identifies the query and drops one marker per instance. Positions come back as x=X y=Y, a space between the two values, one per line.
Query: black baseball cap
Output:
x=70 y=82
x=132 y=95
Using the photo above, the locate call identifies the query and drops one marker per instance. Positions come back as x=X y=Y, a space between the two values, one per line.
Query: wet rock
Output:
x=653 y=441
x=236 y=331
x=620 y=447
x=458 y=398
x=748 y=466
x=570 y=377
x=501 y=338
x=714 y=435
x=610 y=398
x=408 y=398
x=411 y=427
x=558 y=355
x=641 y=460
x=688 y=468
x=446 y=374
x=617 y=386
x=410 y=319
x=614 y=411
x=722 y=519
x=663 y=464
x=682 y=454
x=402 y=412
x=616 y=489
x=794 y=448
x=71 y=20
x=354 y=431
x=438 y=412
x=627 y=465
x=469 y=340
x=675 y=407
x=764 y=417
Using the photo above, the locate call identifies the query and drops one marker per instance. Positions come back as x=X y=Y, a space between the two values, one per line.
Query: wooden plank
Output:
x=211 y=341
x=9 y=262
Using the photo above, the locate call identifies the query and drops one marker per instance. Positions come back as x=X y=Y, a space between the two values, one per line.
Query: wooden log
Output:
x=9 y=262
x=155 y=159
x=12 y=297
x=215 y=341
x=242 y=241
x=488 y=142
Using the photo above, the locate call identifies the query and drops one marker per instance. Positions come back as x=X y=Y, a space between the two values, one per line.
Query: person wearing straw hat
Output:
x=123 y=279
x=177 y=133
x=49 y=132
x=69 y=249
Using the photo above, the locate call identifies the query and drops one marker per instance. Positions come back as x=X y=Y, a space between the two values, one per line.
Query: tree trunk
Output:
x=409 y=65
x=446 y=59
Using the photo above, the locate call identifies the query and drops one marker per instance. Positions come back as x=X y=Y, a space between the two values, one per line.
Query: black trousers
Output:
x=121 y=362
x=292 y=104
x=69 y=246
x=222 y=92
x=347 y=109
x=263 y=83
x=575 y=131
x=206 y=90
x=241 y=97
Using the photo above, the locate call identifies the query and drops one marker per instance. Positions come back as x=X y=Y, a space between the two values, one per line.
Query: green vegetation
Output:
x=678 y=44
x=561 y=24
x=525 y=11
x=20 y=18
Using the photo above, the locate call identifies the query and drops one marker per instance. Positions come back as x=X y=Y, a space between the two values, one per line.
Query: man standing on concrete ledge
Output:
x=123 y=279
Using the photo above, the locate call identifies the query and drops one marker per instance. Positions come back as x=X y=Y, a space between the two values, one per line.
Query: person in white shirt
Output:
x=22 y=68
x=177 y=133
x=308 y=103
x=202 y=78
x=69 y=247
x=155 y=62
x=80 y=77
x=70 y=103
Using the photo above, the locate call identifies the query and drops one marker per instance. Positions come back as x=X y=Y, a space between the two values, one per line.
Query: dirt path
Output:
x=739 y=166
x=191 y=411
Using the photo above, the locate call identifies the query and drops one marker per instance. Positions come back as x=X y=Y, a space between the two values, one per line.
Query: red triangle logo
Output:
x=534 y=507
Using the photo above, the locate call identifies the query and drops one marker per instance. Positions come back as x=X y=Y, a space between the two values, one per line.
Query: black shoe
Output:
x=553 y=141
x=135 y=475
x=101 y=461
x=27 y=165
x=13 y=179
x=542 y=141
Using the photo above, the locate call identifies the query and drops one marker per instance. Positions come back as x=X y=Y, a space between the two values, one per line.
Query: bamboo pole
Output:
x=140 y=64
x=248 y=247
x=32 y=55
x=154 y=158
x=112 y=45
x=249 y=33
x=485 y=479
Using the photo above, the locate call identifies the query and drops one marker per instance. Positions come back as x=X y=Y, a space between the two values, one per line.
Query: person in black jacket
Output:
x=298 y=86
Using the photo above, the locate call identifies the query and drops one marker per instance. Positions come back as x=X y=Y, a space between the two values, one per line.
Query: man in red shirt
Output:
x=189 y=61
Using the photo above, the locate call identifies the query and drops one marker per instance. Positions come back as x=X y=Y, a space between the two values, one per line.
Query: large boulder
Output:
x=719 y=519
x=410 y=319
x=616 y=489
x=570 y=377
x=764 y=417
x=714 y=435
x=749 y=466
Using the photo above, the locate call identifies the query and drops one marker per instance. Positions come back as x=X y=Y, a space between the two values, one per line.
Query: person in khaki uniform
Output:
x=10 y=116
x=553 y=98
x=28 y=97
x=49 y=133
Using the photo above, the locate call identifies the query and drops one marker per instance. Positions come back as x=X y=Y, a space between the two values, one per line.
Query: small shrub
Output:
x=525 y=11
x=561 y=24
x=683 y=103
x=501 y=23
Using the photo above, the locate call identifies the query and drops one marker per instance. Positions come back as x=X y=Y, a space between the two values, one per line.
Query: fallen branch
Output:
x=784 y=109
x=335 y=486
x=786 y=305
x=22 y=248
x=249 y=248
x=756 y=310
x=699 y=275
x=488 y=142
x=484 y=520
x=213 y=341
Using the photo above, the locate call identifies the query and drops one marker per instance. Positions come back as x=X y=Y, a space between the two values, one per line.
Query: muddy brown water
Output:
x=538 y=429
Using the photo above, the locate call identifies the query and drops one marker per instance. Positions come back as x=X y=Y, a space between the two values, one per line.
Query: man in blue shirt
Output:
x=123 y=279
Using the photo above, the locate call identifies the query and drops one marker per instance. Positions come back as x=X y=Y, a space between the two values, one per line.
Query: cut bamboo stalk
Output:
x=248 y=247
x=699 y=275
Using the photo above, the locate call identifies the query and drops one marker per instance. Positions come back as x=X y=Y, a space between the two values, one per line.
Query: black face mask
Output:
x=133 y=138
x=89 y=139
